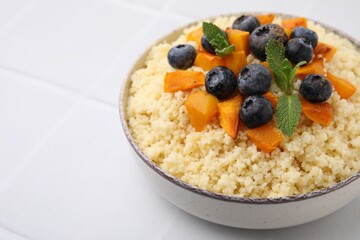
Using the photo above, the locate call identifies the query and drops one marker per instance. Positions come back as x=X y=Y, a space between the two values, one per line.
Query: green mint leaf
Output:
x=288 y=112
x=219 y=42
x=286 y=68
x=217 y=39
x=293 y=71
x=225 y=51
x=275 y=55
x=210 y=30
x=275 y=50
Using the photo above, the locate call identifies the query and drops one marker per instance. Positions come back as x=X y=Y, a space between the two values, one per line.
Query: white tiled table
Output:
x=65 y=167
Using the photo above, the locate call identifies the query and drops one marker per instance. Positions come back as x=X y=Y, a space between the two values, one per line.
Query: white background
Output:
x=65 y=167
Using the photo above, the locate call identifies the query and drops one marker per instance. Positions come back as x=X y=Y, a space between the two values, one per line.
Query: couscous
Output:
x=313 y=157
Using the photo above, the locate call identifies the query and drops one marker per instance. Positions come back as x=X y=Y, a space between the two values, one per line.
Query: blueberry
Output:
x=256 y=111
x=299 y=49
x=206 y=44
x=316 y=88
x=181 y=56
x=254 y=79
x=246 y=23
x=220 y=82
x=301 y=32
x=260 y=37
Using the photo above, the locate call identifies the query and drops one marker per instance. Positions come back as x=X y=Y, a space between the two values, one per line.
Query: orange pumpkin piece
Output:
x=266 y=18
x=315 y=67
x=272 y=99
x=324 y=50
x=236 y=61
x=288 y=31
x=317 y=112
x=196 y=37
x=183 y=80
x=266 y=64
x=229 y=115
x=292 y=23
x=343 y=87
x=208 y=61
x=266 y=137
x=240 y=39
x=202 y=108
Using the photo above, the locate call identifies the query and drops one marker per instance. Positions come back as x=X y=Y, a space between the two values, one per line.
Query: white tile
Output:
x=201 y=9
x=84 y=184
x=27 y=112
x=10 y=10
x=109 y=89
x=7 y=235
x=70 y=42
x=340 y=14
x=157 y=4
x=344 y=224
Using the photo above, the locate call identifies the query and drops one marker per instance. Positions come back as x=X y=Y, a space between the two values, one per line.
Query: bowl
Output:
x=240 y=212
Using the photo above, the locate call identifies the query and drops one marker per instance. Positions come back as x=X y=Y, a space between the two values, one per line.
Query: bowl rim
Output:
x=206 y=193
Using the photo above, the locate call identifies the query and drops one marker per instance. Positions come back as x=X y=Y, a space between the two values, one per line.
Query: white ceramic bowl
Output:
x=253 y=213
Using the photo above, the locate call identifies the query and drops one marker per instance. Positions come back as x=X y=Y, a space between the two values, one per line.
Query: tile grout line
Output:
x=28 y=7
x=39 y=81
x=82 y=98
x=32 y=153
x=138 y=36
x=75 y=92
x=117 y=62
x=103 y=76
x=7 y=230
x=44 y=139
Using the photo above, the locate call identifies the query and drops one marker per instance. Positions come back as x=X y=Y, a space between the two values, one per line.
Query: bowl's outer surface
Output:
x=253 y=213
x=247 y=215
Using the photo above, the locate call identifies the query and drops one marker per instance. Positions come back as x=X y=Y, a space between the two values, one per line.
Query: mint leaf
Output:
x=217 y=39
x=281 y=66
x=286 y=68
x=219 y=42
x=210 y=30
x=293 y=71
x=275 y=51
x=225 y=51
x=288 y=112
x=275 y=55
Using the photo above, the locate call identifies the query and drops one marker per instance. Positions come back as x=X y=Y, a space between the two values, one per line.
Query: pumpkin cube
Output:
x=229 y=115
x=266 y=137
x=266 y=18
x=343 y=87
x=324 y=50
x=317 y=112
x=183 y=80
x=202 y=108
x=208 y=61
x=235 y=61
x=240 y=39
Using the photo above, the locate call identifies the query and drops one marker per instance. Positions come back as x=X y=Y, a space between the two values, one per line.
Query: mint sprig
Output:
x=288 y=110
x=217 y=39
